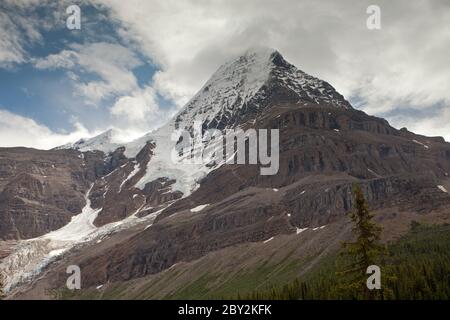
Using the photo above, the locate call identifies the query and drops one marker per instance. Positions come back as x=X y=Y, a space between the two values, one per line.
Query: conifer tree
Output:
x=361 y=253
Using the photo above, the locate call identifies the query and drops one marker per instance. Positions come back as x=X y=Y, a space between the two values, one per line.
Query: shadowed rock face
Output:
x=41 y=190
x=322 y=145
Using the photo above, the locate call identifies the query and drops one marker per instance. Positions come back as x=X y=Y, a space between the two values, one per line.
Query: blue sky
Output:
x=134 y=63
x=49 y=95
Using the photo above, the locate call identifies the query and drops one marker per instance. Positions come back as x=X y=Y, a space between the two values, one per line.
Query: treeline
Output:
x=415 y=267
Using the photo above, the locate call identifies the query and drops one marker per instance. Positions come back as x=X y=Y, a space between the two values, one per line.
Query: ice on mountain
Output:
x=80 y=226
x=31 y=256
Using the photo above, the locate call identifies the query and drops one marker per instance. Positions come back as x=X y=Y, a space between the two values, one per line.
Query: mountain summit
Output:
x=251 y=82
x=102 y=142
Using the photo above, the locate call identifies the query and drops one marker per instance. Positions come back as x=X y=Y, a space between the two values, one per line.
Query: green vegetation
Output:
x=362 y=253
x=209 y=285
x=263 y=278
x=415 y=267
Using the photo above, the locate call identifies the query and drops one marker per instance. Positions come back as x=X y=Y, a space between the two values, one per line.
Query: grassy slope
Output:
x=212 y=285
x=420 y=261
x=416 y=267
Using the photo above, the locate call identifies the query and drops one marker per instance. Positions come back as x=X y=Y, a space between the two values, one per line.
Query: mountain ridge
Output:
x=239 y=82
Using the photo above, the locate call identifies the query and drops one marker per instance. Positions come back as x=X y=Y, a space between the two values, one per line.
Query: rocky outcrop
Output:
x=40 y=191
x=118 y=197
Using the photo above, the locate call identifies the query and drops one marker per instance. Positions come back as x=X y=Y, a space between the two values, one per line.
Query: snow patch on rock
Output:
x=199 y=208
x=420 y=143
x=270 y=239
x=300 y=230
x=136 y=169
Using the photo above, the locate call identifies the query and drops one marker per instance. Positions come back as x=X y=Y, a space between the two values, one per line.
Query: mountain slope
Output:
x=182 y=213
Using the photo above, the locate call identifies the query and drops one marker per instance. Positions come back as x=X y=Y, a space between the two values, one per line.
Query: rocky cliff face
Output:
x=324 y=151
x=41 y=191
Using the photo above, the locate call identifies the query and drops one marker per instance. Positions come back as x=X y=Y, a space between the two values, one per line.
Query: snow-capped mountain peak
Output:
x=239 y=91
x=246 y=83
x=102 y=142
x=230 y=87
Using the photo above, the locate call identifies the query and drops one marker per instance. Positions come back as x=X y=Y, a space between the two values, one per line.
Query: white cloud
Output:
x=11 y=50
x=138 y=113
x=137 y=106
x=66 y=59
x=19 y=131
x=405 y=64
x=112 y=63
x=19 y=27
x=432 y=125
x=16 y=130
